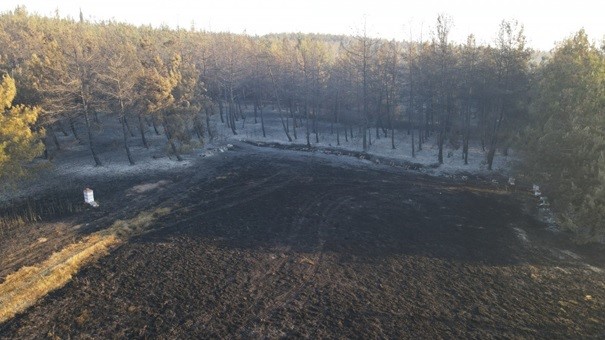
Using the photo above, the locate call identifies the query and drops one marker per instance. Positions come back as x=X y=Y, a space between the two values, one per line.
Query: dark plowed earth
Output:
x=279 y=244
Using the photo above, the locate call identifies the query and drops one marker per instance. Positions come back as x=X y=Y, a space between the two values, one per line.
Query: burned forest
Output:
x=298 y=184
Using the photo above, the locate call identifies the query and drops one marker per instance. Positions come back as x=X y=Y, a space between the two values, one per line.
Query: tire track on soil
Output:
x=269 y=310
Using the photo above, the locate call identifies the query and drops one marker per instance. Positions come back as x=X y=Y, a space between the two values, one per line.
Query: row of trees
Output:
x=172 y=81
x=564 y=142
x=73 y=71
x=432 y=88
x=176 y=78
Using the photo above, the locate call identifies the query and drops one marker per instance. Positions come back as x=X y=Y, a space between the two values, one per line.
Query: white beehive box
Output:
x=88 y=196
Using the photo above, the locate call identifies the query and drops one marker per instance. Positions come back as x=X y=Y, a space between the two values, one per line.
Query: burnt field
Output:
x=270 y=243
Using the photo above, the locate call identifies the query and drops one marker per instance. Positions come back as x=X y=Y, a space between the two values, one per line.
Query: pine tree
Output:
x=19 y=143
x=565 y=144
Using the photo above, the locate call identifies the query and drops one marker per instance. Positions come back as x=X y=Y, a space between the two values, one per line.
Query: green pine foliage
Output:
x=565 y=143
x=19 y=143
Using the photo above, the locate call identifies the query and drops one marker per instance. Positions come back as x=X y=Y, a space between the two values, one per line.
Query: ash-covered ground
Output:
x=265 y=238
x=262 y=242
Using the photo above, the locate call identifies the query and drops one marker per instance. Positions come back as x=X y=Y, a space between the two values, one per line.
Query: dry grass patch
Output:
x=136 y=225
x=23 y=288
x=497 y=191
x=141 y=188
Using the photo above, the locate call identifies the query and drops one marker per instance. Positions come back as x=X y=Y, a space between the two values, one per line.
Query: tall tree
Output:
x=512 y=83
x=565 y=143
x=312 y=63
x=361 y=52
x=117 y=80
x=153 y=90
x=389 y=69
x=445 y=78
x=65 y=75
x=468 y=89
x=19 y=143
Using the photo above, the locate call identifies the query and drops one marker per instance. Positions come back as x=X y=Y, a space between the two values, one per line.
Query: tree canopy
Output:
x=72 y=73
x=566 y=140
x=19 y=143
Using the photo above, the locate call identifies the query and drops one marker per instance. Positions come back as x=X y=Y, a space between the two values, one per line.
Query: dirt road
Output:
x=271 y=243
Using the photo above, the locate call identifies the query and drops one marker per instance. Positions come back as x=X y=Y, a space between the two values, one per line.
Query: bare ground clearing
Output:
x=273 y=243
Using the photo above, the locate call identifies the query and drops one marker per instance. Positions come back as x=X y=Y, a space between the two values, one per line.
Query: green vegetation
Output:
x=66 y=72
x=566 y=139
x=19 y=144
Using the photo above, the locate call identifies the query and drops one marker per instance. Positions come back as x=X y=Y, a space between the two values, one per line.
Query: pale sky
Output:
x=545 y=21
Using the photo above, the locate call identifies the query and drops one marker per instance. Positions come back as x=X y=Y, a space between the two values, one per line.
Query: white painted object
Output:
x=89 y=197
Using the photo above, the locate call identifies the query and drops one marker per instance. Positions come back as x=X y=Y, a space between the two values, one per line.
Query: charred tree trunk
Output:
x=494 y=139
x=365 y=138
x=467 y=132
x=440 y=141
x=232 y=110
x=378 y=122
x=281 y=117
x=231 y=118
x=155 y=125
x=240 y=110
x=199 y=128
x=168 y=133
x=91 y=145
x=293 y=120
x=262 y=121
x=220 y=109
x=392 y=137
x=128 y=126
x=346 y=133
x=45 y=153
x=61 y=128
x=315 y=125
x=307 y=132
x=207 y=116
x=142 y=129
x=336 y=109
x=283 y=123
x=413 y=143
x=255 y=111
x=125 y=139
x=72 y=126
x=420 y=140
x=331 y=127
x=54 y=137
